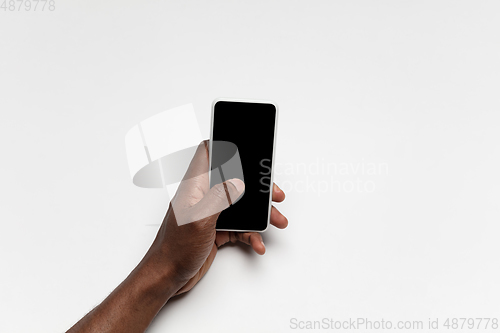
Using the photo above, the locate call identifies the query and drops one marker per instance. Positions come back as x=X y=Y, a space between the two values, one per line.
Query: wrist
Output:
x=159 y=284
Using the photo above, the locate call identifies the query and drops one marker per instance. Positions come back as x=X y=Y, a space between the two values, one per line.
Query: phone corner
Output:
x=217 y=100
x=267 y=228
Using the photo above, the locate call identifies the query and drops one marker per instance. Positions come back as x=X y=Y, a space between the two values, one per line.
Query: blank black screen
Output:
x=251 y=127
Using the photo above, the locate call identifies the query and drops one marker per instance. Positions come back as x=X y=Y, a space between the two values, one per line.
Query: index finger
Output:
x=278 y=194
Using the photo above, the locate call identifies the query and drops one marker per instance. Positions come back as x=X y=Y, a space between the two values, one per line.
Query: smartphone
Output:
x=250 y=127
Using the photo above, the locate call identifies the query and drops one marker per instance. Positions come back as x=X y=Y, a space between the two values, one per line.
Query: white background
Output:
x=413 y=85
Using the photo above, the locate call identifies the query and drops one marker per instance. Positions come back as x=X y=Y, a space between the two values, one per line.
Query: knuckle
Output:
x=219 y=192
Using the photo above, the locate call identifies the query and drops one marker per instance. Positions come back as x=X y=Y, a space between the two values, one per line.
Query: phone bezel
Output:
x=253 y=101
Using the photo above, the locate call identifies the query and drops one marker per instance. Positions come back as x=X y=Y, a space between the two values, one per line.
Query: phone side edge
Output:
x=270 y=204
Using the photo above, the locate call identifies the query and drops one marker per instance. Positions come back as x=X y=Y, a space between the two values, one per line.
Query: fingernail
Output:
x=238 y=183
x=264 y=245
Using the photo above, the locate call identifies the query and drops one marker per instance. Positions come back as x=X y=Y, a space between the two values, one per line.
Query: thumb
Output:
x=218 y=198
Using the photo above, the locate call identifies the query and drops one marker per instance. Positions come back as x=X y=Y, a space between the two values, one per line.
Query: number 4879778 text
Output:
x=28 y=5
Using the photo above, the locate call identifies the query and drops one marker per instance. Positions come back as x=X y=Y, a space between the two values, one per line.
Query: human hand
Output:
x=187 y=242
x=181 y=254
